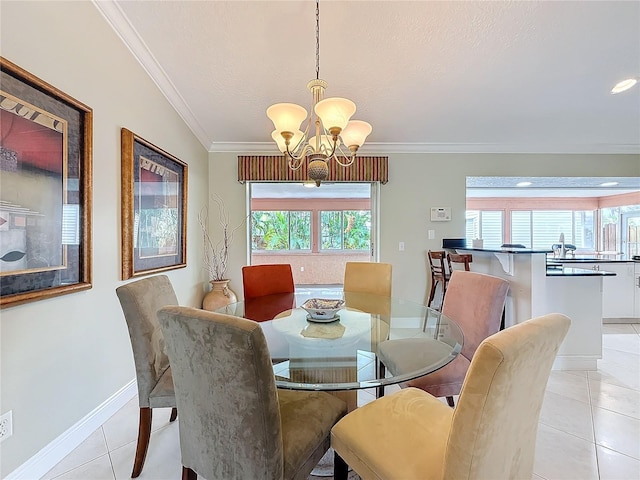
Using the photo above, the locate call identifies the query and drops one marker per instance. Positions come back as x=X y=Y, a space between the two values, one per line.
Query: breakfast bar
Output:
x=536 y=290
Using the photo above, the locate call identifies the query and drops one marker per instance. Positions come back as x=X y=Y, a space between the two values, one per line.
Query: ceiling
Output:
x=430 y=76
x=551 y=186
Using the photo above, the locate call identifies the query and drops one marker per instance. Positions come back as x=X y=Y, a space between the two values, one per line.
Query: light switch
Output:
x=432 y=234
x=401 y=246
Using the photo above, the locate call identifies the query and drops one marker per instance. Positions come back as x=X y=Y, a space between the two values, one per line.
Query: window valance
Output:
x=267 y=168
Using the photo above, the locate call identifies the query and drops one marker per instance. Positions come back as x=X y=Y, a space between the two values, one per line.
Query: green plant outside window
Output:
x=280 y=230
x=345 y=230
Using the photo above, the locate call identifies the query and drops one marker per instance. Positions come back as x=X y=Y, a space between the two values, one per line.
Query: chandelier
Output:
x=329 y=124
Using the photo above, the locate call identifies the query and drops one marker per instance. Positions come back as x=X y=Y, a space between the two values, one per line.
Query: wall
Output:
x=63 y=357
x=418 y=182
x=313 y=268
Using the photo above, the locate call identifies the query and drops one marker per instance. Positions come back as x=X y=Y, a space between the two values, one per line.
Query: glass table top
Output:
x=343 y=354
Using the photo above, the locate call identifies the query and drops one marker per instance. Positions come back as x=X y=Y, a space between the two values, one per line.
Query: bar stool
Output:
x=463 y=258
x=439 y=273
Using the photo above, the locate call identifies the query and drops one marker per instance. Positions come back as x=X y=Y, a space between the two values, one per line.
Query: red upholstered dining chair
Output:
x=260 y=280
x=475 y=301
x=268 y=290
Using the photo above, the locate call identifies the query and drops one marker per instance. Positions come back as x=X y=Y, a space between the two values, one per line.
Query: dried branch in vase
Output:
x=216 y=253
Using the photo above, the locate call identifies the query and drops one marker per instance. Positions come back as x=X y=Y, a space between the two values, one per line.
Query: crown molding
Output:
x=114 y=15
x=388 y=148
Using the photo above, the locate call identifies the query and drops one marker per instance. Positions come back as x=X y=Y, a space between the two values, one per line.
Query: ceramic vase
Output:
x=219 y=296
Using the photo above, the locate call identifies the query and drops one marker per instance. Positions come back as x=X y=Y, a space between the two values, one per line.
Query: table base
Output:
x=324 y=468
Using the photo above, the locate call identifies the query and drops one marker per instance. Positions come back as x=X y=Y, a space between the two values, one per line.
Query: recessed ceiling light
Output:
x=523 y=184
x=608 y=184
x=624 y=85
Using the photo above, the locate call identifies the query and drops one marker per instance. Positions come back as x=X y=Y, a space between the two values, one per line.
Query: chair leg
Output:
x=381 y=373
x=450 y=402
x=144 y=432
x=188 y=474
x=444 y=291
x=174 y=414
x=340 y=467
x=432 y=293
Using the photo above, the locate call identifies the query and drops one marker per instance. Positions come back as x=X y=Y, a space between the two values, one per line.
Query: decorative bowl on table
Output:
x=322 y=309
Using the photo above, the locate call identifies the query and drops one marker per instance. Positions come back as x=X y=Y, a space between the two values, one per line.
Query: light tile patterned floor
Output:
x=589 y=426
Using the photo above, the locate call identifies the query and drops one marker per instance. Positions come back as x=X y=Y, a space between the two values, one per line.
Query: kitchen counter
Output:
x=620 y=293
x=559 y=271
x=535 y=290
x=590 y=259
x=522 y=251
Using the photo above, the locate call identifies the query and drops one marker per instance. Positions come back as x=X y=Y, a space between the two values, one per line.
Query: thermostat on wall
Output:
x=440 y=214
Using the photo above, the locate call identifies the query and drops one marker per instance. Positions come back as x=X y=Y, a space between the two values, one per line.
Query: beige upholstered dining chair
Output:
x=370 y=278
x=140 y=301
x=475 y=301
x=491 y=434
x=234 y=423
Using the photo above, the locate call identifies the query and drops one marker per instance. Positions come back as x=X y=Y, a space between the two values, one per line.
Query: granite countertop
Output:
x=590 y=259
x=559 y=271
x=525 y=251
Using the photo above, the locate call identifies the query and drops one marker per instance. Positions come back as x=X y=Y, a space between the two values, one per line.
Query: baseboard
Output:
x=621 y=320
x=582 y=362
x=54 y=452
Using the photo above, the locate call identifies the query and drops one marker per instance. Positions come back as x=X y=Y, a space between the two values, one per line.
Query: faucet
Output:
x=563 y=248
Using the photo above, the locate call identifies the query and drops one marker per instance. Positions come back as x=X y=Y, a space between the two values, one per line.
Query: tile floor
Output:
x=589 y=426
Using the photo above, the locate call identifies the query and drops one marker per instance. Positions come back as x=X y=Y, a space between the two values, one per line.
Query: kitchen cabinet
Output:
x=637 y=289
x=620 y=292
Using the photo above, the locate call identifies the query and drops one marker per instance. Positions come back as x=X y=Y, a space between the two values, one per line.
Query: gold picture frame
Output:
x=154 y=208
x=45 y=189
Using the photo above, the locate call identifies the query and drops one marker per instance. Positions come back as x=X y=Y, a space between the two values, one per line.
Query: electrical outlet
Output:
x=6 y=425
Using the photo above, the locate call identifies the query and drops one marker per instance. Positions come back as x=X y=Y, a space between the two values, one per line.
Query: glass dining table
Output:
x=344 y=354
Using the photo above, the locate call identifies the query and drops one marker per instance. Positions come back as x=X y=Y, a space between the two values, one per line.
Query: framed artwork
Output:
x=154 y=208
x=45 y=189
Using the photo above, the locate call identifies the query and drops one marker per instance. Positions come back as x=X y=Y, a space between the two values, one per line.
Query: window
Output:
x=542 y=228
x=345 y=230
x=280 y=230
x=620 y=229
x=521 y=230
x=485 y=224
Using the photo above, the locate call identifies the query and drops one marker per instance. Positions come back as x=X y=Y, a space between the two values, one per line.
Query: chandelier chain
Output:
x=317 y=39
x=302 y=147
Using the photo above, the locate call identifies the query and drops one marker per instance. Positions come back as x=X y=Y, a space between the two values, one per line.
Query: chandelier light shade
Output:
x=328 y=127
x=286 y=117
x=355 y=133
x=335 y=113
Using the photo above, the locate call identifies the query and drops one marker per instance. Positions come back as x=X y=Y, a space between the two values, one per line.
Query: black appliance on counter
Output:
x=453 y=243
